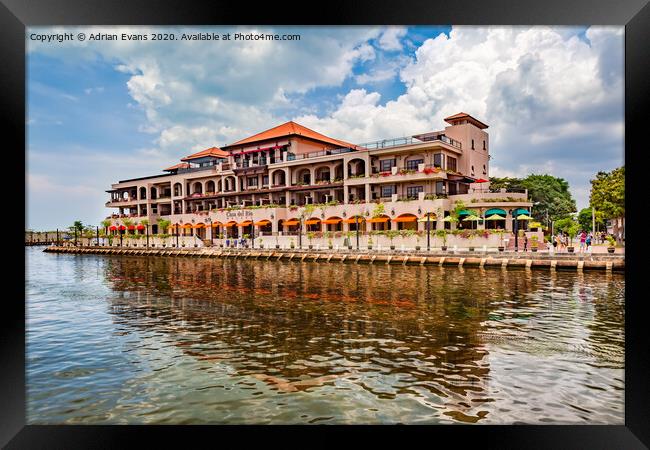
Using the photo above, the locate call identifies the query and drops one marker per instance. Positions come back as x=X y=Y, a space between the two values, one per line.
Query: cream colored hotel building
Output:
x=259 y=185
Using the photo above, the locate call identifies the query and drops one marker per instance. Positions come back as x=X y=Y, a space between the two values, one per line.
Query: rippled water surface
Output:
x=177 y=340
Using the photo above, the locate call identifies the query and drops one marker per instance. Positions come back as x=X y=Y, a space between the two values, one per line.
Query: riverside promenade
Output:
x=457 y=258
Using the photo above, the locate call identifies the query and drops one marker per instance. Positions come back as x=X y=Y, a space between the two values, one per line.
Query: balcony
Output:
x=409 y=140
x=335 y=151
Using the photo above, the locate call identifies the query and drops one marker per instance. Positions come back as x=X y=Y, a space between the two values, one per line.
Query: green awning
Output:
x=467 y=212
x=522 y=211
x=495 y=211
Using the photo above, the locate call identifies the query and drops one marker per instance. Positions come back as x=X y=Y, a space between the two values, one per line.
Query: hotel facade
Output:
x=291 y=180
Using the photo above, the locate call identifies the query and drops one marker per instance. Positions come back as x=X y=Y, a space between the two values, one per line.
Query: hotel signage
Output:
x=239 y=214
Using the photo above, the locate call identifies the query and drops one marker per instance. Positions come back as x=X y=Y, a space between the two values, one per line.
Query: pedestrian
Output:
x=554 y=240
x=525 y=243
x=583 y=240
x=588 y=242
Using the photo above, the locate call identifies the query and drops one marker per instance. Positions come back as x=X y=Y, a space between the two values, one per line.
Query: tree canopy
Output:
x=608 y=193
x=551 y=193
x=584 y=219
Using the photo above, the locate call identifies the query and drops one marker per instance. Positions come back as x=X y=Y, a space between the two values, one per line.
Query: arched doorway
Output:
x=333 y=224
x=406 y=222
x=380 y=223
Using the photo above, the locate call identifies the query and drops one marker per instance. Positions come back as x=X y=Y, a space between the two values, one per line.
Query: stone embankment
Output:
x=527 y=260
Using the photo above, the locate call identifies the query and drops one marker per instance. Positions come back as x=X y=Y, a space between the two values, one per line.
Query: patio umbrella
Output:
x=448 y=219
x=472 y=217
x=495 y=217
x=524 y=217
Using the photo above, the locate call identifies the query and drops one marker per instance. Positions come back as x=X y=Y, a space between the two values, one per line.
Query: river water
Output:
x=116 y=340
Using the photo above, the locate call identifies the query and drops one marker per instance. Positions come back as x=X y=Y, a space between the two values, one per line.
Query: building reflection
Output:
x=416 y=331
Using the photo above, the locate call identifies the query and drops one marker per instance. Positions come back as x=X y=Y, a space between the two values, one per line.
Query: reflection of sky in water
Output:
x=172 y=340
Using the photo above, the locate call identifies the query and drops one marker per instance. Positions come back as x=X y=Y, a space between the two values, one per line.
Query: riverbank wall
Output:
x=522 y=260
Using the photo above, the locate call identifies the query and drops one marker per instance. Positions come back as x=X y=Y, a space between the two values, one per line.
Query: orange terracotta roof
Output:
x=212 y=151
x=462 y=115
x=177 y=166
x=290 y=129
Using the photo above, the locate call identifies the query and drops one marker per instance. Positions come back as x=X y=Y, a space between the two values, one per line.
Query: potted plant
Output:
x=277 y=245
x=310 y=236
x=533 y=243
x=260 y=243
x=370 y=242
x=221 y=237
x=392 y=234
x=246 y=238
x=442 y=234
x=348 y=238
x=292 y=244
x=612 y=243
x=572 y=231
x=327 y=235
x=500 y=233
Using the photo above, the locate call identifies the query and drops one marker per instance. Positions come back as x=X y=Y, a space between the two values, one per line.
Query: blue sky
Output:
x=98 y=112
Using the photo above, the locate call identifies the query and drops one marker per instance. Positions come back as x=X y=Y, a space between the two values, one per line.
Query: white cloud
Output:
x=390 y=38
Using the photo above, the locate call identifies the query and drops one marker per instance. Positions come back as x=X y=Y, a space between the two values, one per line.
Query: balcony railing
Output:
x=335 y=151
x=409 y=140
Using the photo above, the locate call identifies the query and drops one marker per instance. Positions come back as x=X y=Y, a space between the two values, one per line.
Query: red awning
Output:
x=140 y=227
x=113 y=228
x=481 y=180
x=122 y=227
x=131 y=227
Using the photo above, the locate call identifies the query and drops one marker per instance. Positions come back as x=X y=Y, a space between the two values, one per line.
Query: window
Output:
x=387 y=191
x=472 y=170
x=265 y=180
x=484 y=170
x=413 y=164
x=453 y=188
x=484 y=145
x=440 y=187
x=386 y=164
x=252 y=181
x=451 y=163
x=472 y=144
x=412 y=191
x=437 y=160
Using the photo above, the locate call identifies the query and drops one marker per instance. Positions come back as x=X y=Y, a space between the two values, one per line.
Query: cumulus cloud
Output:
x=553 y=100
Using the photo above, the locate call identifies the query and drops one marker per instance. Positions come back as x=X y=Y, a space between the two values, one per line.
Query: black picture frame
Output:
x=15 y=15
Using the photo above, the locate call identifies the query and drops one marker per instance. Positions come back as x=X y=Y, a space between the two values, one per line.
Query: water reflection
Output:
x=227 y=341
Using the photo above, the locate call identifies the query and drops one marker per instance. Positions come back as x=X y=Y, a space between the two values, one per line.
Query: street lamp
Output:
x=513 y=211
x=428 y=232
x=356 y=221
x=210 y=225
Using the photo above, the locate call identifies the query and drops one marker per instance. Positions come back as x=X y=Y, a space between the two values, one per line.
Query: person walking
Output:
x=588 y=242
x=554 y=242
x=525 y=243
x=583 y=240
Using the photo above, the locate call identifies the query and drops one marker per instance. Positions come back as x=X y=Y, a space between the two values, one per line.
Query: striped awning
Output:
x=354 y=219
x=230 y=224
x=378 y=220
x=245 y=223
x=312 y=221
x=332 y=221
x=199 y=225
x=291 y=222
x=262 y=223
x=216 y=224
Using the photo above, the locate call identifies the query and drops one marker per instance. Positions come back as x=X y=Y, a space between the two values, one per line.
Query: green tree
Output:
x=584 y=219
x=163 y=225
x=551 y=194
x=608 y=193
x=565 y=224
